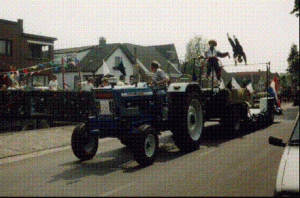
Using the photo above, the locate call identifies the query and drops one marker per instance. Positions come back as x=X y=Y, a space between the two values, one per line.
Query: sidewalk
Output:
x=25 y=142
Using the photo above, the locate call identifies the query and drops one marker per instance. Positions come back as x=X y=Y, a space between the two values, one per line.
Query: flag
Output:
x=250 y=88
x=73 y=63
x=273 y=91
x=105 y=69
x=235 y=84
x=121 y=68
x=25 y=70
x=222 y=84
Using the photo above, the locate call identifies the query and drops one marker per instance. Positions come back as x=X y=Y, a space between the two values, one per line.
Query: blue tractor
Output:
x=136 y=116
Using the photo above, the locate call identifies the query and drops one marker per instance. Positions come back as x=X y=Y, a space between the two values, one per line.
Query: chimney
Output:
x=20 y=24
x=102 y=41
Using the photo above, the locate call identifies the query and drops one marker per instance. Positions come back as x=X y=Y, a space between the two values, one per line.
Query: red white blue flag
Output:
x=273 y=90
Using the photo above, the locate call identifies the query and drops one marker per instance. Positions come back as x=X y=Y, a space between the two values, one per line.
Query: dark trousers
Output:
x=214 y=63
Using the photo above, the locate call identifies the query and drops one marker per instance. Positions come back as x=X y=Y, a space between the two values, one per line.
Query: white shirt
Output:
x=53 y=85
x=211 y=53
x=159 y=75
x=87 y=86
x=11 y=88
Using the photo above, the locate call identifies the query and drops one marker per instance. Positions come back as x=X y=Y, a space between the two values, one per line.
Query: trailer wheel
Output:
x=83 y=144
x=236 y=118
x=146 y=145
x=188 y=126
x=271 y=116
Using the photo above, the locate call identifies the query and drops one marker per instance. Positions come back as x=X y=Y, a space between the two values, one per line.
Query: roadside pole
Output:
x=79 y=73
x=63 y=72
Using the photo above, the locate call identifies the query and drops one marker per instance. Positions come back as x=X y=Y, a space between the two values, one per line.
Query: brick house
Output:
x=19 y=50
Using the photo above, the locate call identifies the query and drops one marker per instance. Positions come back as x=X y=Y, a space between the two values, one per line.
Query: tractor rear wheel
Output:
x=189 y=125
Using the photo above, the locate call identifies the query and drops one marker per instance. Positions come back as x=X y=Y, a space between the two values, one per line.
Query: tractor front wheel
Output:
x=84 y=145
x=146 y=145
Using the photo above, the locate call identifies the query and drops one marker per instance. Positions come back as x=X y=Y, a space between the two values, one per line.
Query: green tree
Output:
x=284 y=80
x=293 y=61
x=195 y=47
x=296 y=8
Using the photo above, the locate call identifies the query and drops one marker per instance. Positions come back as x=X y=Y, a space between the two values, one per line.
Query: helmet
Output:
x=240 y=59
x=213 y=41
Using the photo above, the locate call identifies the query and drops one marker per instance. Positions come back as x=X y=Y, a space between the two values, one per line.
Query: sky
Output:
x=265 y=28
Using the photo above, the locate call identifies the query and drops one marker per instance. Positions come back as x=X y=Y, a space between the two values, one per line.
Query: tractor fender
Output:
x=183 y=87
x=143 y=128
x=182 y=91
x=131 y=135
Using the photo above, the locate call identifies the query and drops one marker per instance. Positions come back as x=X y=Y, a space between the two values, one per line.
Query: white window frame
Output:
x=5 y=47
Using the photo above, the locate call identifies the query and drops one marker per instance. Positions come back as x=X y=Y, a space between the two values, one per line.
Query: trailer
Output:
x=27 y=109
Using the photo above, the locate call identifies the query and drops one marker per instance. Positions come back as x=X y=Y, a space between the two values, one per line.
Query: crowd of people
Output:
x=15 y=85
x=54 y=85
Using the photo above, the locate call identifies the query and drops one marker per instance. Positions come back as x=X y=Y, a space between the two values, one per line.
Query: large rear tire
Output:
x=189 y=125
x=83 y=144
x=146 y=145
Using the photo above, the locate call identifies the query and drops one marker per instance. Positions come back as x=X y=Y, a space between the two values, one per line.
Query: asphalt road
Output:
x=226 y=164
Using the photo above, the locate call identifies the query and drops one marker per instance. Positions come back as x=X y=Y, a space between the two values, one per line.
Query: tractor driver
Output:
x=159 y=80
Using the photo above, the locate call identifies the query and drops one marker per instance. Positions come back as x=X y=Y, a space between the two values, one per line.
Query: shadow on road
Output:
x=122 y=158
x=214 y=135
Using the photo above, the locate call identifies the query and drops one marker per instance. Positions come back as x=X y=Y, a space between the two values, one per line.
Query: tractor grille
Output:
x=105 y=105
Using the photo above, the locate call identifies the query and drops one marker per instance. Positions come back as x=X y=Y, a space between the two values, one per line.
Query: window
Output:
x=5 y=47
x=35 y=51
x=45 y=51
x=76 y=81
x=122 y=78
x=118 y=60
x=38 y=80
